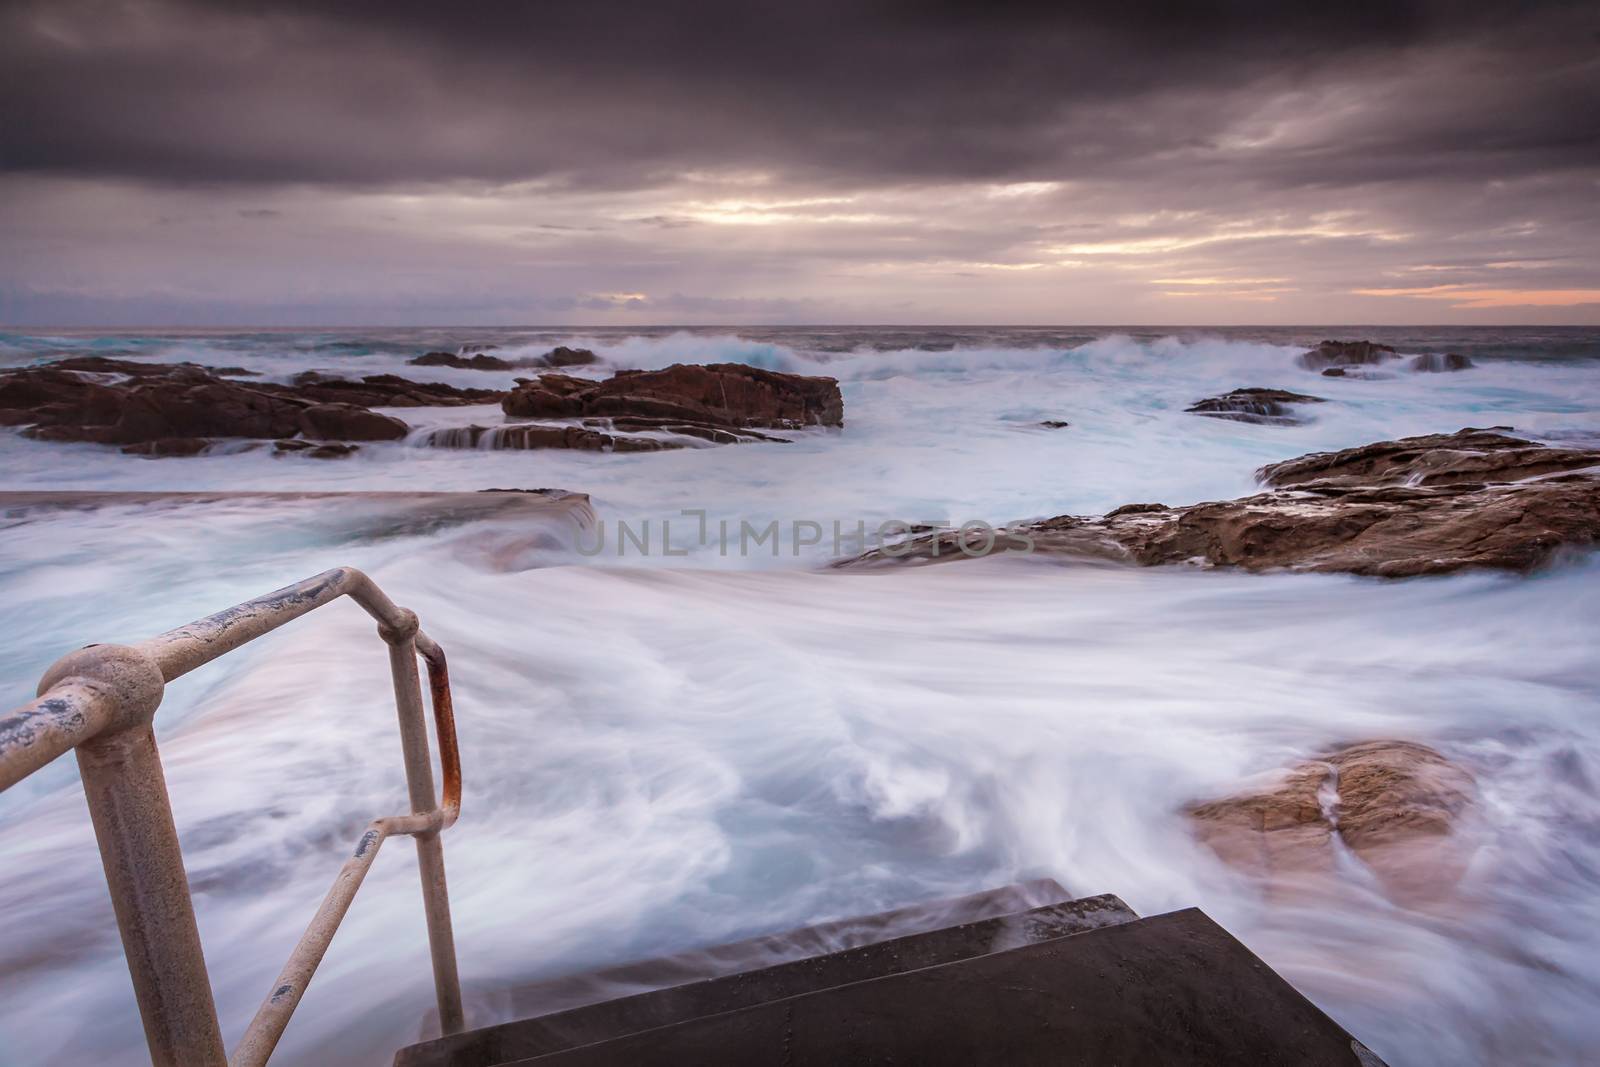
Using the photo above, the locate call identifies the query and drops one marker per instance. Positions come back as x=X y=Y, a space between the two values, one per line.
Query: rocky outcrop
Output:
x=1437 y=363
x=1469 y=456
x=382 y=391
x=560 y=356
x=1357 y=359
x=178 y=409
x=1398 y=509
x=592 y=435
x=1267 y=407
x=1394 y=804
x=719 y=396
x=1347 y=354
x=452 y=359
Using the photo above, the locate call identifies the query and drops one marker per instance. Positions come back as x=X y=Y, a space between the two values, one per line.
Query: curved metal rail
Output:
x=101 y=700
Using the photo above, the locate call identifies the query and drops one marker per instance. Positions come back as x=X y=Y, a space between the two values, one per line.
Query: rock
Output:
x=1269 y=407
x=382 y=390
x=346 y=422
x=722 y=395
x=1394 y=804
x=1346 y=354
x=1335 y=372
x=560 y=356
x=538 y=402
x=1055 y=424
x=450 y=359
x=1466 y=456
x=179 y=409
x=1397 y=509
x=523 y=436
x=1435 y=363
x=137 y=369
x=312 y=450
x=1275 y=830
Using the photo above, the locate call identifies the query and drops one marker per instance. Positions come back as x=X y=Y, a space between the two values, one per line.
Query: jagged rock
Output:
x=723 y=395
x=1394 y=804
x=1467 y=456
x=1346 y=354
x=165 y=409
x=1435 y=363
x=1268 y=407
x=1485 y=500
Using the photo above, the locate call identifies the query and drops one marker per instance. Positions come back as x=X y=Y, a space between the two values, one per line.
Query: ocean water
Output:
x=666 y=751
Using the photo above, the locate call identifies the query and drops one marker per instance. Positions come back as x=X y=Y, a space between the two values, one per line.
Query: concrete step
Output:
x=1173 y=989
x=773 y=967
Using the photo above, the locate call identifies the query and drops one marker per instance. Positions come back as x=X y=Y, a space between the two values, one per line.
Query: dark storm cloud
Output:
x=618 y=95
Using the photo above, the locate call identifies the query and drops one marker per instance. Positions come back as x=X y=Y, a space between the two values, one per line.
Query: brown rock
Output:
x=1466 y=456
x=346 y=422
x=162 y=409
x=725 y=395
x=1279 y=830
x=1394 y=804
x=450 y=359
x=538 y=402
x=1347 y=516
x=523 y=436
x=382 y=390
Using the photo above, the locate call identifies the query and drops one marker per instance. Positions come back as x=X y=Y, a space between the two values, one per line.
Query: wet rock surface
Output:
x=179 y=409
x=1267 y=407
x=156 y=409
x=1394 y=804
x=1440 y=362
x=1364 y=359
x=1396 y=509
x=1347 y=354
x=726 y=396
x=1471 y=455
x=560 y=356
x=592 y=435
x=383 y=390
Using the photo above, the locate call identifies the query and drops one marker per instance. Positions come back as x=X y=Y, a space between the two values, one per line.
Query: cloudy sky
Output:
x=343 y=162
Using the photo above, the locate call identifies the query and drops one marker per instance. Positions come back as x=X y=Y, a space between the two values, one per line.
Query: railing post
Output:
x=127 y=796
x=430 y=850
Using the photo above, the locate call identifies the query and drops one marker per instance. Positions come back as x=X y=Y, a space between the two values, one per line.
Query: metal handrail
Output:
x=101 y=701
